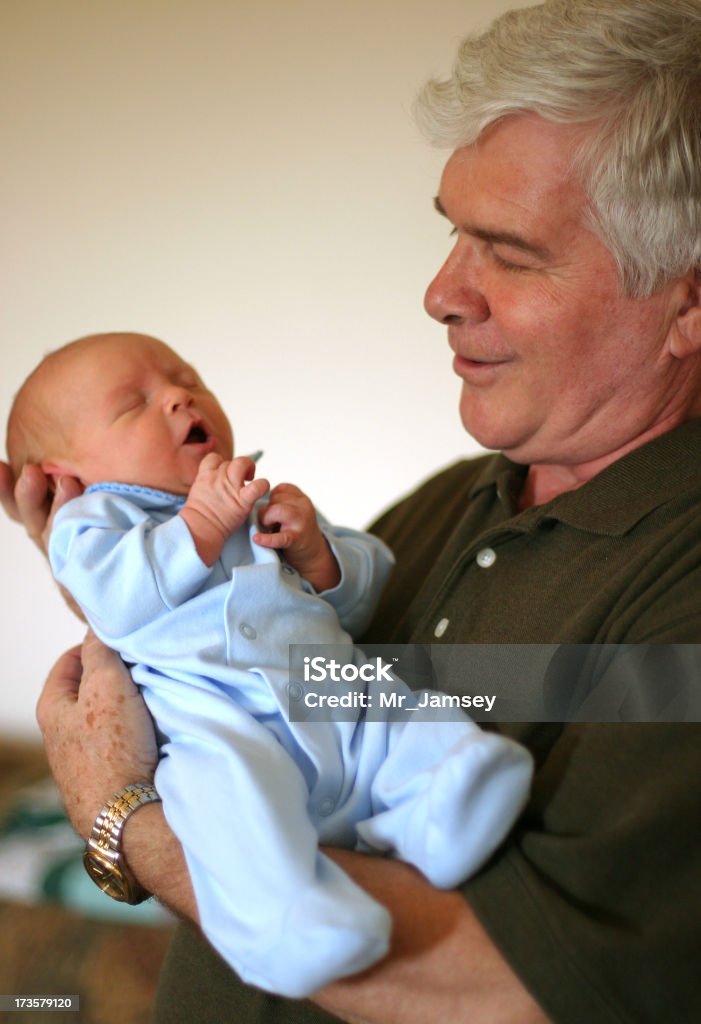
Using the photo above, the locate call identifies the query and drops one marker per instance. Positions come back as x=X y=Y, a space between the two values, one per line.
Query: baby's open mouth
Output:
x=197 y=435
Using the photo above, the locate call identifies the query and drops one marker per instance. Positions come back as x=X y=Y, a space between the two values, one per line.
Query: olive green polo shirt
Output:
x=615 y=561
x=596 y=899
x=596 y=902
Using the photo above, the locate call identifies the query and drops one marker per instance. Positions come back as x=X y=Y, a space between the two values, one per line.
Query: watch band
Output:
x=103 y=858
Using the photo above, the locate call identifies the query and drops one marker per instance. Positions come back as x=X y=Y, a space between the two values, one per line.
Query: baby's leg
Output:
x=446 y=796
x=281 y=913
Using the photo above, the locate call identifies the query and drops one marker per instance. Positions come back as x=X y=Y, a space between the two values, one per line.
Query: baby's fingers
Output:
x=287 y=492
x=283 y=515
x=239 y=470
x=279 y=540
x=209 y=463
x=252 y=492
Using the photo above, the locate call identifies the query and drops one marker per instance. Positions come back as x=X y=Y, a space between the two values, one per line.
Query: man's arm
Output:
x=442 y=965
x=99 y=737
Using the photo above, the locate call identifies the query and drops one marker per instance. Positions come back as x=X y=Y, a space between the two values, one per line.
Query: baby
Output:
x=181 y=565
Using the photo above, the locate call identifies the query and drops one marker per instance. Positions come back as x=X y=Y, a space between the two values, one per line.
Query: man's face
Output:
x=137 y=413
x=557 y=365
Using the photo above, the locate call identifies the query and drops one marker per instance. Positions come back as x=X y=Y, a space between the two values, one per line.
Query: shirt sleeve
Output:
x=124 y=569
x=366 y=563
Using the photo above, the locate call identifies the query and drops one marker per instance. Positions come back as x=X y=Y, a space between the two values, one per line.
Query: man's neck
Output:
x=545 y=481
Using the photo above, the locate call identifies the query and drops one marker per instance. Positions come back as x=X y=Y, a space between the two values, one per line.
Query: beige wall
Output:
x=244 y=180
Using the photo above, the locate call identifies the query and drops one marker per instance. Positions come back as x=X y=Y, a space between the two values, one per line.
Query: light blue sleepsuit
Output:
x=249 y=793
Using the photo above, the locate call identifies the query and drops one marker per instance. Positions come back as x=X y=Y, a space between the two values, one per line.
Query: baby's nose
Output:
x=176 y=398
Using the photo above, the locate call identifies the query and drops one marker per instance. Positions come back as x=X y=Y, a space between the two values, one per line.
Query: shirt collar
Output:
x=148 y=497
x=505 y=476
x=618 y=497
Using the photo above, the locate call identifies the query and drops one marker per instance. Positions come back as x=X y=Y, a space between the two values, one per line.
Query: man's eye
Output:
x=505 y=264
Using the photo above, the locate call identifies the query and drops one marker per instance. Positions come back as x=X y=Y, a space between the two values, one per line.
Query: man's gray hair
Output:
x=627 y=70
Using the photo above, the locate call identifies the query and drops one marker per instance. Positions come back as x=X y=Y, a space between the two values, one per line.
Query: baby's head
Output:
x=121 y=407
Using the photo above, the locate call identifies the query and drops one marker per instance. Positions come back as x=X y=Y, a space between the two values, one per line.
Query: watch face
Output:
x=107 y=877
x=103 y=857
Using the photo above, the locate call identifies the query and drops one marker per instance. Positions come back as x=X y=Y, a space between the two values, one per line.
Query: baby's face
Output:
x=138 y=414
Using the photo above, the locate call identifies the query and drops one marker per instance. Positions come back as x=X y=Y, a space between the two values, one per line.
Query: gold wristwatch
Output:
x=103 y=857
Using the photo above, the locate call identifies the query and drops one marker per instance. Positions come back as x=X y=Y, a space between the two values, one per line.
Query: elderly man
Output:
x=572 y=301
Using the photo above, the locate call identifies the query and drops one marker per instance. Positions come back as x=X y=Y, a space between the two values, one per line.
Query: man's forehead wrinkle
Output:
x=504 y=188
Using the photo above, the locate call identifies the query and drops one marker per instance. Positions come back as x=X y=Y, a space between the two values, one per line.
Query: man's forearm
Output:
x=156 y=858
x=442 y=965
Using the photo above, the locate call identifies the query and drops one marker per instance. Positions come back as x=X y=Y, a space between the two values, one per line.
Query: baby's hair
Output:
x=30 y=422
x=32 y=425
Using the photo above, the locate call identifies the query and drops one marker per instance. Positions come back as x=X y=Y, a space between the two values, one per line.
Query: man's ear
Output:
x=685 y=333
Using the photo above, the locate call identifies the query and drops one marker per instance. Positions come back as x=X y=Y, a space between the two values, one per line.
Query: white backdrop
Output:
x=244 y=181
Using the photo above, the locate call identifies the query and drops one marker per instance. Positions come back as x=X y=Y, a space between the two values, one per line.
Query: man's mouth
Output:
x=465 y=365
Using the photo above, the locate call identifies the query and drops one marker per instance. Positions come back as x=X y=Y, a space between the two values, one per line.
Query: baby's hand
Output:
x=291 y=516
x=220 y=500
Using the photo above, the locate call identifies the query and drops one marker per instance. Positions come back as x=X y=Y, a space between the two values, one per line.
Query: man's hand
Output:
x=220 y=501
x=97 y=731
x=7 y=491
x=99 y=737
x=291 y=514
x=30 y=501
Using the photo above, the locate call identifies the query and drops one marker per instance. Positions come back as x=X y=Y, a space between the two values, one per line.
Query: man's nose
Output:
x=455 y=295
x=176 y=397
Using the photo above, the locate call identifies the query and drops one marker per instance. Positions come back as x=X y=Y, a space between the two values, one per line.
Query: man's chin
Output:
x=492 y=436
x=492 y=425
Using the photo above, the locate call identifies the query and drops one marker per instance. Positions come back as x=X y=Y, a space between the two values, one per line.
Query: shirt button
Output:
x=441 y=627
x=486 y=558
x=295 y=691
x=288 y=569
x=247 y=631
x=325 y=807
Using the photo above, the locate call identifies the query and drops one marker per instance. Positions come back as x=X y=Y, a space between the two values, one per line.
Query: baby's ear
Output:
x=53 y=470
